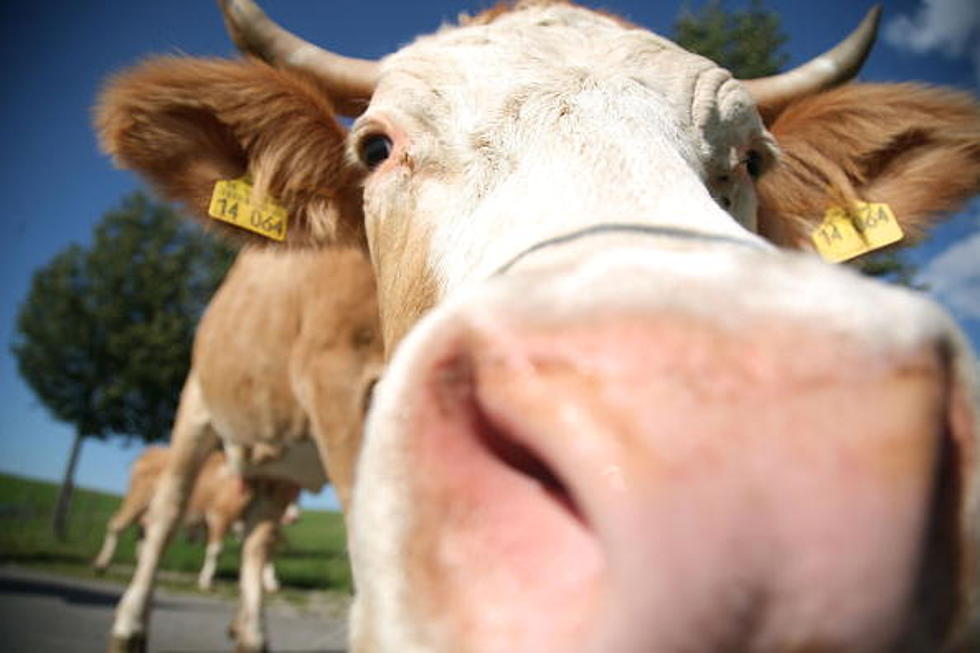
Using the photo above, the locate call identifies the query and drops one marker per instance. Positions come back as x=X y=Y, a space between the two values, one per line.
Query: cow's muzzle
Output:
x=612 y=455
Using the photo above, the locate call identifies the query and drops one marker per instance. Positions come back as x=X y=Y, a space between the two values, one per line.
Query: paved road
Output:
x=42 y=613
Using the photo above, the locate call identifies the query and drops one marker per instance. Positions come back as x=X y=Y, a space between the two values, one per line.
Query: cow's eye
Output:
x=375 y=149
x=753 y=163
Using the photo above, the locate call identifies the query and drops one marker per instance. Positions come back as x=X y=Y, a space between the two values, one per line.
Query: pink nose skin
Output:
x=658 y=482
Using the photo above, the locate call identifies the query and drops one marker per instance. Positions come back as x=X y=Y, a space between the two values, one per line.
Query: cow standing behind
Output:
x=279 y=372
x=615 y=416
x=217 y=503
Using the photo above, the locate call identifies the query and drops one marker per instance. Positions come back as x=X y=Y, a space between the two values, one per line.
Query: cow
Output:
x=625 y=406
x=216 y=504
x=278 y=376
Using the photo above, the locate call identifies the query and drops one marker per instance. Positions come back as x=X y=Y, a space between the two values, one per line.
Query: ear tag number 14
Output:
x=232 y=202
x=844 y=234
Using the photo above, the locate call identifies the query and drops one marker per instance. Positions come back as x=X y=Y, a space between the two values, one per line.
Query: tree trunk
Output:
x=60 y=522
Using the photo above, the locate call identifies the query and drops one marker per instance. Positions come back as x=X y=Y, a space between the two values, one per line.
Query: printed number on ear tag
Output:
x=845 y=234
x=232 y=202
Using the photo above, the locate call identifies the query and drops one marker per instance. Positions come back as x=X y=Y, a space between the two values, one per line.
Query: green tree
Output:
x=104 y=334
x=748 y=42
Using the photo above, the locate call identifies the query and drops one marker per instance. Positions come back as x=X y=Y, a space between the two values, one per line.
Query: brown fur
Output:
x=286 y=348
x=914 y=147
x=406 y=285
x=142 y=481
x=285 y=352
x=187 y=123
x=217 y=501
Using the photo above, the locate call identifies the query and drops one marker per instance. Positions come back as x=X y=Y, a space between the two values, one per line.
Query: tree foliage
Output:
x=104 y=335
x=747 y=42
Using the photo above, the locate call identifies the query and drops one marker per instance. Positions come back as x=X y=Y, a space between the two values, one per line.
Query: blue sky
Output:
x=56 y=185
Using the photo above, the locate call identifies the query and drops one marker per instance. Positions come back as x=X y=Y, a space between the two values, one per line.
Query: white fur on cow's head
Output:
x=547 y=120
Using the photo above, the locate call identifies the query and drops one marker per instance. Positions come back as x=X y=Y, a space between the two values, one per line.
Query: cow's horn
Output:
x=832 y=68
x=350 y=82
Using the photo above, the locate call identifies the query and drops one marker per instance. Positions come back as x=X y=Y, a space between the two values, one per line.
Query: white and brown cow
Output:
x=619 y=413
x=278 y=377
x=217 y=503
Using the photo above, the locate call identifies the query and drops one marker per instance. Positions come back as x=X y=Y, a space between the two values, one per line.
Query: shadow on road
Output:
x=65 y=591
x=69 y=592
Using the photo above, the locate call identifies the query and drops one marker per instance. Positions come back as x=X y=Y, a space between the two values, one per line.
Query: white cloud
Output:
x=953 y=278
x=951 y=27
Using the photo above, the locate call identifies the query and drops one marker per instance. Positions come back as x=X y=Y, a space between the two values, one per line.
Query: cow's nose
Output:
x=664 y=480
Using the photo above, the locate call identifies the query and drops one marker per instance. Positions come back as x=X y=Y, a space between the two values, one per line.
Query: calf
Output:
x=217 y=503
x=619 y=413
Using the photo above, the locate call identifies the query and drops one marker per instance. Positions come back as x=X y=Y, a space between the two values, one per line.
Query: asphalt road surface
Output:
x=42 y=613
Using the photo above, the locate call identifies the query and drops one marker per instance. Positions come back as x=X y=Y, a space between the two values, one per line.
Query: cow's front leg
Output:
x=261 y=530
x=205 y=579
x=270 y=581
x=192 y=440
x=108 y=550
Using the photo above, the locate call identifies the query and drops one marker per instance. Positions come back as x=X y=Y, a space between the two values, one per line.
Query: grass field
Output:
x=313 y=555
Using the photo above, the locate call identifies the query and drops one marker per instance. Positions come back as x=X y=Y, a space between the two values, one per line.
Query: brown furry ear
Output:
x=185 y=124
x=913 y=147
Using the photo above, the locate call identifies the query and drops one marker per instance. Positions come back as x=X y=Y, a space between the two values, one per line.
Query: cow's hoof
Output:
x=131 y=644
x=242 y=648
x=233 y=632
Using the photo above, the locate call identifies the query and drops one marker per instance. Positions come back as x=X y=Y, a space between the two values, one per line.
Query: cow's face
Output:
x=539 y=124
x=626 y=421
x=633 y=426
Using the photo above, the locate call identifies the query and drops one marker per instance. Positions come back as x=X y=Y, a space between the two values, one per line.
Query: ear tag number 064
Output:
x=232 y=202
x=845 y=234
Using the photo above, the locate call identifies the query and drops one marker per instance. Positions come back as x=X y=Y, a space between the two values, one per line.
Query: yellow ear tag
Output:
x=232 y=202
x=843 y=235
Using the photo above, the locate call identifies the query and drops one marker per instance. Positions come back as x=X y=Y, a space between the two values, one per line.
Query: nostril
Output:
x=489 y=483
x=501 y=442
x=523 y=460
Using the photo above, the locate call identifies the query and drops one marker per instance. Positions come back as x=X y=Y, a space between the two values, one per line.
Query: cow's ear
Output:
x=185 y=124
x=913 y=147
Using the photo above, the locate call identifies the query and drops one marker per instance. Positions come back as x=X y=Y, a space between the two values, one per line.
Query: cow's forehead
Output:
x=546 y=31
x=476 y=66
x=606 y=121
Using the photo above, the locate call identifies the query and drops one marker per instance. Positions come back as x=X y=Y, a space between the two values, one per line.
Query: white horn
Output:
x=350 y=82
x=832 y=68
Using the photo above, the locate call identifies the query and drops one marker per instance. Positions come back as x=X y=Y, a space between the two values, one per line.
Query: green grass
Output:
x=312 y=555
